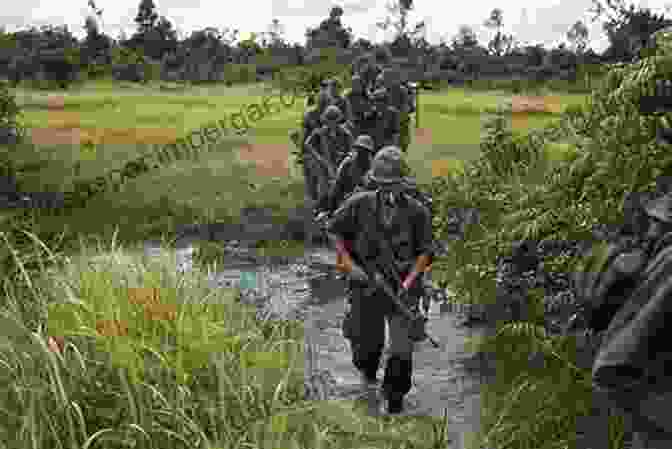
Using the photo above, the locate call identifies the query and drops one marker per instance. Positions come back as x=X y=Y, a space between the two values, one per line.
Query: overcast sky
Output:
x=523 y=18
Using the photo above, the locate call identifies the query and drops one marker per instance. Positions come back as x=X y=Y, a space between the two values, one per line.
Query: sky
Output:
x=528 y=22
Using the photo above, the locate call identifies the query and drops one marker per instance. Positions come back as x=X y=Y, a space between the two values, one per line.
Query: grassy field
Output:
x=126 y=120
x=133 y=360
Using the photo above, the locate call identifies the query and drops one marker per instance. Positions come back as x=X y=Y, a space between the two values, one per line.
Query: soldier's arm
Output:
x=424 y=238
x=341 y=229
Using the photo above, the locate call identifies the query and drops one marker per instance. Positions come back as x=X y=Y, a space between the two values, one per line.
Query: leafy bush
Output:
x=612 y=150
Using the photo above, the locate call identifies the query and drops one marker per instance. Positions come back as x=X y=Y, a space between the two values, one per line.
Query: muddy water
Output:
x=306 y=289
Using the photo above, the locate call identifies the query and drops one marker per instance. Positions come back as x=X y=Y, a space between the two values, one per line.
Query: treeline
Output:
x=51 y=56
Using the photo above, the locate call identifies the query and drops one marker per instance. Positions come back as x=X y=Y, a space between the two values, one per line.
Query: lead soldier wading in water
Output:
x=383 y=216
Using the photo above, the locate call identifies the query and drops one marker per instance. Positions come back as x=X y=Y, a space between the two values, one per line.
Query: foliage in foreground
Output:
x=118 y=351
x=522 y=196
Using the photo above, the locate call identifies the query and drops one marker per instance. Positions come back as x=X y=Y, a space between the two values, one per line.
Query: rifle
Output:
x=414 y=318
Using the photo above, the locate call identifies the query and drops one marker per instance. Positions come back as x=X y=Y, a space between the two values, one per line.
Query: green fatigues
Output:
x=369 y=75
x=400 y=99
x=359 y=105
x=350 y=175
x=410 y=235
x=383 y=126
x=311 y=122
x=631 y=369
x=333 y=148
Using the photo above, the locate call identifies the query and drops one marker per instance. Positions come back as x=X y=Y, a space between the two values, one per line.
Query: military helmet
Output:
x=332 y=114
x=334 y=82
x=365 y=142
x=387 y=167
x=660 y=208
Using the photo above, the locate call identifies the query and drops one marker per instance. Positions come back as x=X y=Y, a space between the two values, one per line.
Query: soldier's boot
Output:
x=395 y=383
x=370 y=393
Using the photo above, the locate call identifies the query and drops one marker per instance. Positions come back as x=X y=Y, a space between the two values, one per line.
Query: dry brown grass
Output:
x=444 y=167
x=270 y=160
x=527 y=103
x=523 y=105
x=74 y=135
x=423 y=136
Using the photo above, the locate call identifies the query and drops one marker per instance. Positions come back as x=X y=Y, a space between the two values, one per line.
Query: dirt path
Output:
x=307 y=289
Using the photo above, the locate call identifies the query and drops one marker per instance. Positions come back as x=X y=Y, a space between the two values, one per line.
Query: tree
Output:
x=578 y=36
x=500 y=44
x=96 y=45
x=629 y=29
x=330 y=32
x=146 y=17
x=274 y=37
x=465 y=38
x=154 y=36
x=397 y=18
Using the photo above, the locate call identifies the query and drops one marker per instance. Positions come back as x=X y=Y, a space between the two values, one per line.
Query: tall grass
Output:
x=121 y=351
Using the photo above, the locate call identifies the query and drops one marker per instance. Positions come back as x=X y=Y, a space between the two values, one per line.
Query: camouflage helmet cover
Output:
x=365 y=142
x=332 y=114
x=387 y=166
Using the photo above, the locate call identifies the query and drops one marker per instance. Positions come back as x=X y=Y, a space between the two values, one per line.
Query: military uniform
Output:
x=369 y=75
x=351 y=173
x=312 y=121
x=407 y=225
x=360 y=107
x=333 y=143
x=400 y=98
x=630 y=295
x=384 y=123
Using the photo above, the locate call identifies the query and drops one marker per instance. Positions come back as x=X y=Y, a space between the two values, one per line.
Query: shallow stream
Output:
x=307 y=289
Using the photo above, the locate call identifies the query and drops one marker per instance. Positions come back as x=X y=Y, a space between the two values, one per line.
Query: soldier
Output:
x=383 y=125
x=337 y=99
x=332 y=140
x=627 y=300
x=408 y=225
x=359 y=105
x=369 y=71
x=312 y=118
x=311 y=122
x=400 y=98
x=350 y=173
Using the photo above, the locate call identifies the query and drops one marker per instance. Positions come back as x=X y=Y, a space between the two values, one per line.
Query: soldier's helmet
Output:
x=333 y=82
x=660 y=208
x=387 y=167
x=332 y=114
x=365 y=142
